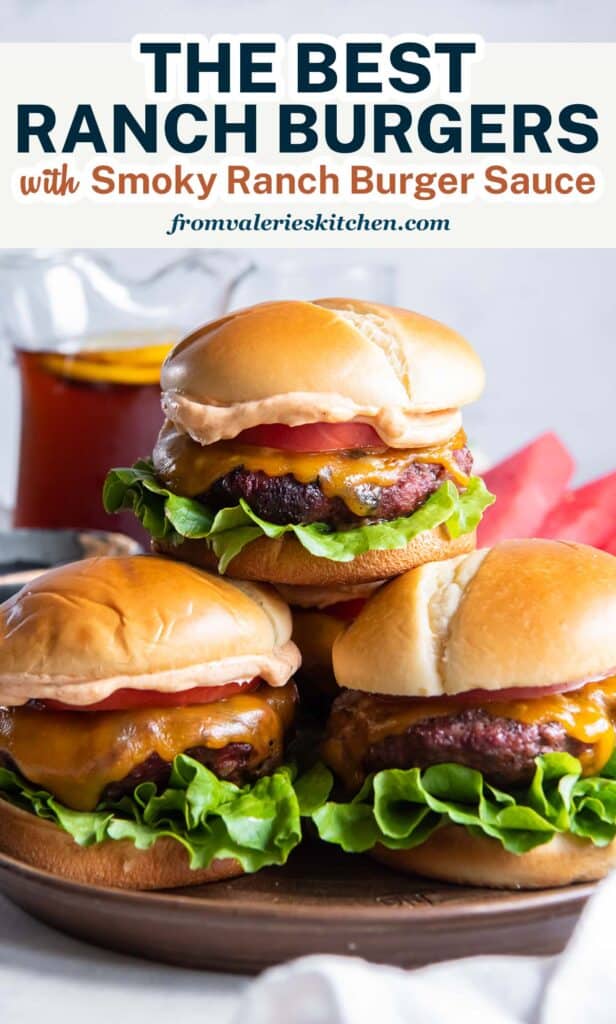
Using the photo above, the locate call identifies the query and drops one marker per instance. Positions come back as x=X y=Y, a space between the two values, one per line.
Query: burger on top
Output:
x=313 y=444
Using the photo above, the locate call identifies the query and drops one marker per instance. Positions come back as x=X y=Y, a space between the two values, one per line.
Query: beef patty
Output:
x=284 y=500
x=230 y=763
x=502 y=749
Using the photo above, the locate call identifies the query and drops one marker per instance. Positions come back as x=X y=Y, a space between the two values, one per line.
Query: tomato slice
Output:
x=516 y=693
x=512 y=694
x=123 y=699
x=346 y=611
x=312 y=437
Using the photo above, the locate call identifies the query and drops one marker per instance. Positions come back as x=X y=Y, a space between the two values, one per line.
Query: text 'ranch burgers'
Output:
x=313 y=443
x=143 y=713
x=473 y=740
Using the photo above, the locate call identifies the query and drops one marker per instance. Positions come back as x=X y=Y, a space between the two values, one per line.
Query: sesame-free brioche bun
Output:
x=81 y=631
x=526 y=613
x=332 y=360
x=116 y=863
x=284 y=560
x=453 y=854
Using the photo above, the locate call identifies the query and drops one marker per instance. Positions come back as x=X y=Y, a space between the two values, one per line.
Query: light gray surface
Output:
x=48 y=977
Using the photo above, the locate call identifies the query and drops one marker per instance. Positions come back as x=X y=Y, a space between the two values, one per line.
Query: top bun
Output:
x=82 y=631
x=526 y=613
x=331 y=360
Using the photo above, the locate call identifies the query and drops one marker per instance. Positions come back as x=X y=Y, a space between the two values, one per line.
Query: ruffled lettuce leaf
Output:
x=172 y=518
x=257 y=824
x=401 y=808
x=260 y=824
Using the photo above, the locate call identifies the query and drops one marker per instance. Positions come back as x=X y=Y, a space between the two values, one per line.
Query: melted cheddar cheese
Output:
x=587 y=715
x=189 y=469
x=75 y=755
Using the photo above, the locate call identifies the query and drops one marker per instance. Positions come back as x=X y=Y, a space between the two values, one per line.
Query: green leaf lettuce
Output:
x=401 y=808
x=167 y=516
x=257 y=824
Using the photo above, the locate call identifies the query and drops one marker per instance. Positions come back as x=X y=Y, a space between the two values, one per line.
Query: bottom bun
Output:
x=115 y=863
x=452 y=854
x=285 y=560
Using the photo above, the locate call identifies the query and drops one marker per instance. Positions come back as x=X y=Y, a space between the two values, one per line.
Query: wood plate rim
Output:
x=495 y=902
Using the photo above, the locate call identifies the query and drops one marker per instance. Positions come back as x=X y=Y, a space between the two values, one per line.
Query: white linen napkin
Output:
x=578 y=985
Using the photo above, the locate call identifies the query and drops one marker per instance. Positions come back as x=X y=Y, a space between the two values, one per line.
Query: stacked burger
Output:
x=317 y=446
x=312 y=454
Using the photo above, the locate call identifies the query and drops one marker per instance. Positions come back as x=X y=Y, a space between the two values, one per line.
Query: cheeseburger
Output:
x=312 y=443
x=143 y=712
x=473 y=737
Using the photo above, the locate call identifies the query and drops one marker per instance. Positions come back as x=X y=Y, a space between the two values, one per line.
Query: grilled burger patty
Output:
x=284 y=500
x=231 y=764
x=502 y=749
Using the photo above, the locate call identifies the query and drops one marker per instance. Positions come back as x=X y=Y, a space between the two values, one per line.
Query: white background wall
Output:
x=543 y=320
x=498 y=20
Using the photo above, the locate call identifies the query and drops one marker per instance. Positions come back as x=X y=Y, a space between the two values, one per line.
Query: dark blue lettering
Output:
x=41 y=131
x=569 y=122
x=480 y=128
x=172 y=125
x=355 y=67
x=161 y=51
x=297 y=120
x=455 y=52
x=307 y=66
x=249 y=67
x=196 y=67
x=400 y=62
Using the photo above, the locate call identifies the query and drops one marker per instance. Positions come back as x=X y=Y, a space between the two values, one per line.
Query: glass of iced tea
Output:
x=88 y=344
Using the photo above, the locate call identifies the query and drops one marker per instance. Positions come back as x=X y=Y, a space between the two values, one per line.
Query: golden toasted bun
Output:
x=453 y=854
x=116 y=863
x=79 y=632
x=314 y=632
x=526 y=613
x=331 y=360
x=285 y=560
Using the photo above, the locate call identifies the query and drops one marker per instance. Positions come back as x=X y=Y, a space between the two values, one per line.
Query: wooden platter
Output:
x=321 y=902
